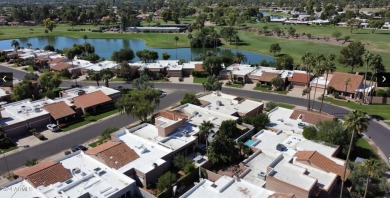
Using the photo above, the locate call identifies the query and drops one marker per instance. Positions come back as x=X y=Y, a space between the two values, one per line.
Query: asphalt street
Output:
x=378 y=133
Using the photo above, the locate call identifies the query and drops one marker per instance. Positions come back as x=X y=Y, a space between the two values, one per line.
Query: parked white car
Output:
x=53 y=127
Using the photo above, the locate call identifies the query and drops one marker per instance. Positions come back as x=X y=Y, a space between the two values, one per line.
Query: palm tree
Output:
x=328 y=66
x=373 y=168
x=355 y=123
x=190 y=38
x=176 y=39
x=74 y=76
x=347 y=81
x=15 y=44
x=377 y=67
x=94 y=76
x=308 y=60
x=240 y=58
x=106 y=75
x=85 y=37
x=318 y=68
x=204 y=129
x=28 y=45
x=367 y=58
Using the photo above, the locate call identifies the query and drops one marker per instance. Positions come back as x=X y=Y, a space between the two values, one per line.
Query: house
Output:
x=346 y=84
x=74 y=175
x=190 y=66
x=90 y=101
x=311 y=117
x=237 y=72
x=60 y=66
x=299 y=78
x=267 y=77
x=60 y=111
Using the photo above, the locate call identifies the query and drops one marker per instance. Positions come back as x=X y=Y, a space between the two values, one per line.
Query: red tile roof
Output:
x=45 y=173
x=172 y=115
x=298 y=77
x=60 y=66
x=310 y=116
x=320 y=161
x=339 y=82
x=114 y=154
x=91 y=99
x=59 y=110
x=268 y=76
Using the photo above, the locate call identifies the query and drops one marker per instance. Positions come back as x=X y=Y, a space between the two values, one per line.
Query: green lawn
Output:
x=29 y=69
x=284 y=105
x=152 y=39
x=9 y=149
x=265 y=89
x=378 y=111
x=364 y=150
x=94 y=144
x=235 y=85
x=199 y=80
x=89 y=119
x=388 y=123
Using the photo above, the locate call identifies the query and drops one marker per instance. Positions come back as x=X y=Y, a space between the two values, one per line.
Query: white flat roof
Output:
x=102 y=65
x=267 y=140
x=19 y=188
x=259 y=70
x=89 y=89
x=321 y=81
x=240 y=69
x=227 y=104
x=258 y=164
x=280 y=120
x=197 y=114
x=191 y=64
x=91 y=177
x=23 y=110
x=324 y=179
x=149 y=152
x=226 y=187
x=292 y=174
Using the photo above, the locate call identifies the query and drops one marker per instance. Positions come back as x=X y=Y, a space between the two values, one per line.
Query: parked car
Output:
x=53 y=127
x=163 y=94
x=78 y=147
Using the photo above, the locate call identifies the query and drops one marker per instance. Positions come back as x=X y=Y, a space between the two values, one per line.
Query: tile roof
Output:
x=114 y=154
x=56 y=60
x=199 y=67
x=298 y=77
x=310 y=116
x=45 y=173
x=339 y=79
x=91 y=99
x=59 y=110
x=60 y=66
x=172 y=115
x=281 y=195
x=268 y=76
x=320 y=161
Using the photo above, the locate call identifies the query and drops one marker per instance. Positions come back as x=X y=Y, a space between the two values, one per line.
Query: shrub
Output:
x=310 y=132
x=165 y=181
x=380 y=93
x=270 y=105
x=41 y=137
x=31 y=162
x=330 y=90
x=190 y=98
x=67 y=152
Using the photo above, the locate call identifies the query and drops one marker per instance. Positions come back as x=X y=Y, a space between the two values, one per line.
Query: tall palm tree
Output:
x=239 y=57
x=94 y=76
x=328 y=66
x=190 y=38
x=28 y=45
x=366 y=58
x=176 y=39
x=319 y=71
x=373 y=168
x=347 y=81
x=85 y=37
x=15 y=44
x=204 y=129
x=377 y=67
x=355 y=123
x=309 y=61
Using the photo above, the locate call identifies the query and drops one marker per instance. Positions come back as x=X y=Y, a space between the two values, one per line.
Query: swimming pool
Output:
x=249 y=143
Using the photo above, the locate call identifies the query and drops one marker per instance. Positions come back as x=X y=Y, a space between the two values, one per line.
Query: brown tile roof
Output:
x=310 y=116
x=56 y=60
x=320 y=161
x=281 y=195
x=114 y=154
x=59 y=110
x=199 y=67
x=298 y=77
x=91 y=99
x=172 y=115
x=338 y=82
x=268 y=76
x=45 y=173
x=60 y=66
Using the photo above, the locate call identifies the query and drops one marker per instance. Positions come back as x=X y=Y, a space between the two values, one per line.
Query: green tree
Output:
x=353 y=23
x=277 y=83
x=49 y=24
x=229 y=129
x=141 y=103
x=333 y=132
x=270 y=105
x=285 y=62
x=106 y=135
x=165 y=181
x=291 y=31
x=310 y=133
x=149 y=19
x=15 y=44
x=377 y=67
x=166 y=56
x=49 y=48
x=31 y=76
x=374 y=168
x=239 y=58
x=328 y=67
x=351 y=55
x=222 y=150
x=96 y=76
x=49 y=80
x=309 y=61
x=176 y=39
x=212 y=84
x=5 y=142
x=228 y=33
x=318 y=72
x=106 y=75
x=122 y=55
x=166 y=15
x=375 y=24
x=143 y=82
x=190 y=98
x=70 y=54
x=205 y=129
x=190 y=38
x=337 y=35
x=212 y=65
x=29 y=45
x=259 y=121
x=85 y=37
x=356 y=122
x=275 y=48
x=183 y=163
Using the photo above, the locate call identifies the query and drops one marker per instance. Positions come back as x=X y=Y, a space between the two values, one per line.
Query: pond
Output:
x=105 y=47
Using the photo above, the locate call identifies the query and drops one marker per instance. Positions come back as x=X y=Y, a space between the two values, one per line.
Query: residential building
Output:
x=190 y=66
x=75 y=175
x=300 y=78
x=231 y=105
x=239 y=72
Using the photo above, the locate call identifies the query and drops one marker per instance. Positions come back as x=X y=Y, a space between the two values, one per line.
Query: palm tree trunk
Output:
x=372 y=78
x=346 y=164
x=365 y=82
x=97 y=82
x=366 y=186
x=323 y=94
x=207 y=149
x=308 y=88
x=314 y=97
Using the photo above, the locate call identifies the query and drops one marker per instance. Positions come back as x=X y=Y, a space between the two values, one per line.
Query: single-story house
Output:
x=89 y=101
x=299 y=79
x=345 y=83
x=60 y=111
